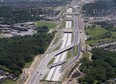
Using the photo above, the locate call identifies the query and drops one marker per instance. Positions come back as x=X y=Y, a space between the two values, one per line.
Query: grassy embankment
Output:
x=9 y=82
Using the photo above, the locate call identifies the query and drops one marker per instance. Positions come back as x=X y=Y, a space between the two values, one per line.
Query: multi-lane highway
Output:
x=76 y=41
x=60 y=54
x=54 y=73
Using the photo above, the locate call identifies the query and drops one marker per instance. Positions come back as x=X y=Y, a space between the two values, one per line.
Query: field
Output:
x=98 y=32
x=9 y=82
x=49 y=24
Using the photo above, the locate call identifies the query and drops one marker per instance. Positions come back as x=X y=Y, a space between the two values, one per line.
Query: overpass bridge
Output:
x=75 y=13
x=73 y=6
x=56 y=64
x=68 y=18
x=65 y=62
x=57 y=52
x=76 y=41
x=67 y=30
x=41 y=69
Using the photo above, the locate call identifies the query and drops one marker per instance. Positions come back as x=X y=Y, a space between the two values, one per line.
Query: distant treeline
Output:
x=10 y=15
x=99 y=8
x=36 y=2
x=16 y=51
x=18 y=11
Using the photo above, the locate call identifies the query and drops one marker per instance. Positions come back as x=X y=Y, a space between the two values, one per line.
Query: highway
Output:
x=42 y=70
x=54 y=73
x=76 y=41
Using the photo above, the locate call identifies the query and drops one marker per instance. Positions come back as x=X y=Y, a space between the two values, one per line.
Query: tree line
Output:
x=11 y=15
x=34 y=3
x=100 y=68
x=106 y=25
x=99 y=8
x=16 y=51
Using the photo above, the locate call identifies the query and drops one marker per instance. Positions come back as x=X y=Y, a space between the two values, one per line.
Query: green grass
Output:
x=96 y=31
x=94 y=41
x=51 y=61
x=8 y=81
x=114 y=34
x=27 y=65
x=63 y=24
x=49 y=24
x=68 y=55
x=76 y=50
x=86 y=54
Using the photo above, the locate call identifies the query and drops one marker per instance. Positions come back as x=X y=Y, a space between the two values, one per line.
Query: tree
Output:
x=21 y=50
x=100 y=69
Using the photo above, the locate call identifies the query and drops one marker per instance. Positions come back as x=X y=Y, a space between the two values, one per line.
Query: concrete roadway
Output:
x=69 y=63
x=76 y=40
x=41 y=70
x=54 y=73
